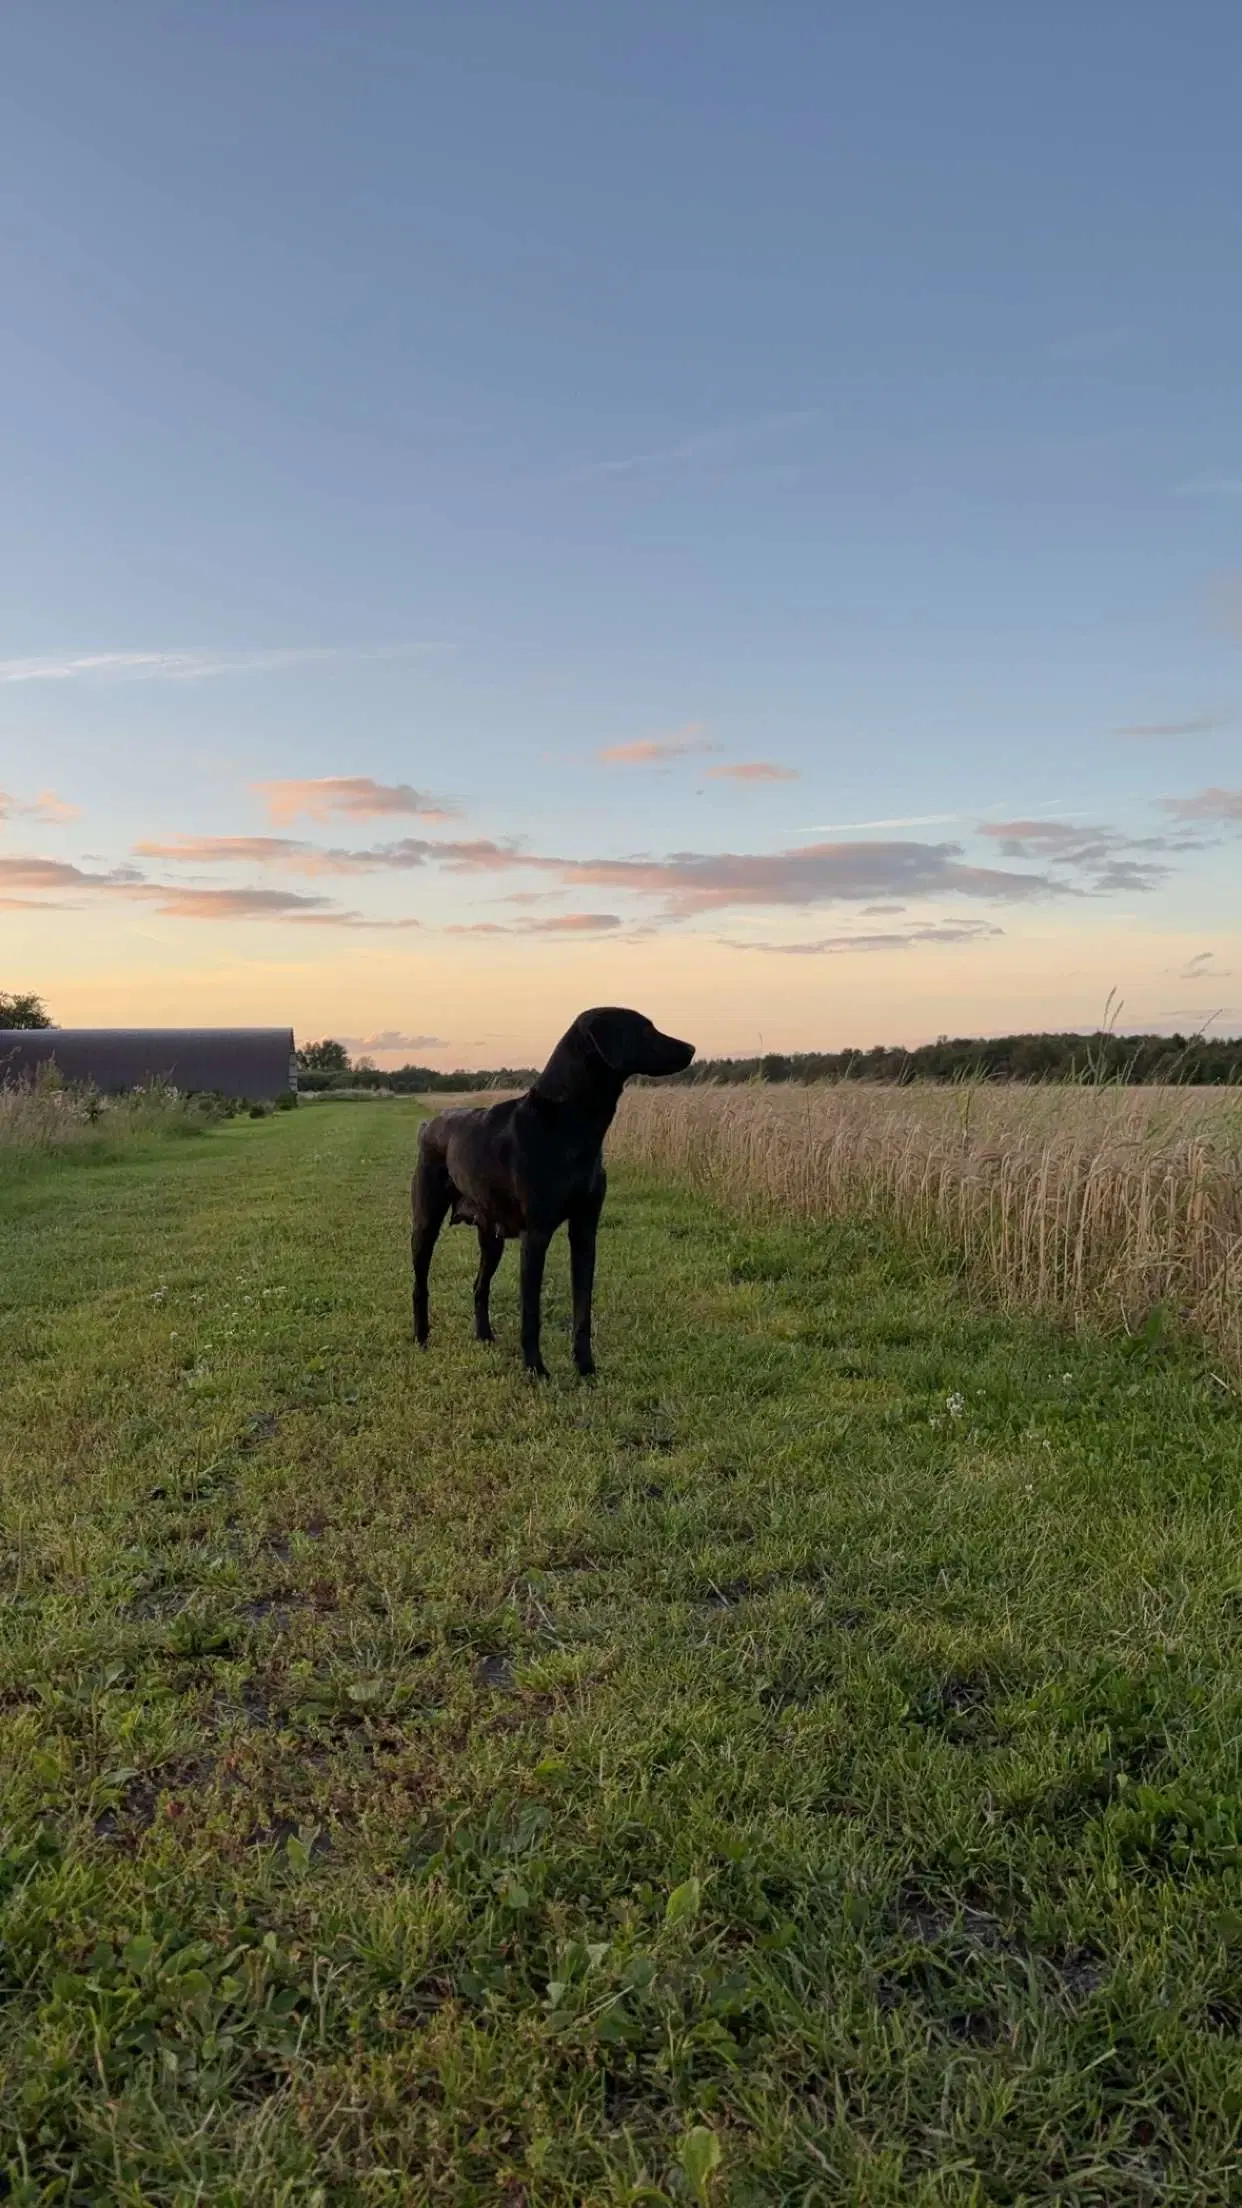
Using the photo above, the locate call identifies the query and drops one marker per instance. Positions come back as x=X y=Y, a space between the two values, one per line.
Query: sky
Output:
x=730 y=509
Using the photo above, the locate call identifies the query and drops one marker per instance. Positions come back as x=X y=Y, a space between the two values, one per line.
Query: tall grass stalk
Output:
x=1086 y=1201
x=45 y=1116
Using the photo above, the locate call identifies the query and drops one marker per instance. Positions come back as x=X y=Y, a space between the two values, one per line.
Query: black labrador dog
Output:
x=522 y=1167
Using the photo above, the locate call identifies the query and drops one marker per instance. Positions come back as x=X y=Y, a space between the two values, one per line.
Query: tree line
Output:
x=1105 y=1056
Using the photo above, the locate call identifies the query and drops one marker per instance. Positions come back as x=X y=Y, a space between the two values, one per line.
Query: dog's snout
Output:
x=675 y=1055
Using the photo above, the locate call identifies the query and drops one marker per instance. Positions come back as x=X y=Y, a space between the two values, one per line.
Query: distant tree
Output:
x=325 y=1057
x=23 y=1010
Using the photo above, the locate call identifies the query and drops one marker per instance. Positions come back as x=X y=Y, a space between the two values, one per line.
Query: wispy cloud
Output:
x=318 y=797
x=1210 y=805
x=392 y=1038
x=47 y=807
x=562 y=923
x=336 y=917
x=1103 y=861
x=226 y=850
x=820 y=873
x=753 y=770
x=1203 y=967
x=571 y=923
x=1212 y=486
x=478 y=854
x=257 y=904
x=1200 y=724
x=653 y=751
x=1061 y=858
x=705 y=444
x=162 y=665
x=21 y=871
x=689 y=882
x=904 y=939
x=906 y=820
x=181 y=901
x=231 y=904
x=474 y=854
x=297 y=857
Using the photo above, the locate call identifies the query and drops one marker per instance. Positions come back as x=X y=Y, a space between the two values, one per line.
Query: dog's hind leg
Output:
x=491 y=1250
x=431 y=1194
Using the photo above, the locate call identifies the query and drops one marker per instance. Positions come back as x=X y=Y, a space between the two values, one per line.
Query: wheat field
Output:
x=1091 y=1203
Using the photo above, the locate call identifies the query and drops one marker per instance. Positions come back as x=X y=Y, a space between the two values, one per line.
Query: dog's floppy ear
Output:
x=614 y=1034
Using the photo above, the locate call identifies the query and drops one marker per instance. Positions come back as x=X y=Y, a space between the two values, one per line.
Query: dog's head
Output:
x=628 y=1042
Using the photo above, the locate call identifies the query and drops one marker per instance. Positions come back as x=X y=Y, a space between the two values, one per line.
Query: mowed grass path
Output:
x=802 y=1767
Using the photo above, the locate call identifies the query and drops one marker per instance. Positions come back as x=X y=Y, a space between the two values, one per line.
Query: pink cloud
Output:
x=652 y=751
x=230 y=904
x=905 y=939
x=1201 y=724
x=571 y=923
x=319 y=797
x=1214 y=804
x=753 y=770
x=313 y=858
x=21 y=872
x=179 y=902
x=816 y=873
x=563 y=923
x=224 y=850
x=47 y=807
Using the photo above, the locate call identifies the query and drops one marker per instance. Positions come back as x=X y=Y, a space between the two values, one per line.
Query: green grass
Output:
x=815 y=1745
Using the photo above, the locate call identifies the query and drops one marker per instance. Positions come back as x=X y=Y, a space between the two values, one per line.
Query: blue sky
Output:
x=401 y=399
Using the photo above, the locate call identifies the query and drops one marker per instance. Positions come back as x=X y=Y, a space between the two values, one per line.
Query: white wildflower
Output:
x=955 y=1405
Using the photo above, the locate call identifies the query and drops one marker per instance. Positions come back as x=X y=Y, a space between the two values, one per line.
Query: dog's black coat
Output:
x=522 y=1167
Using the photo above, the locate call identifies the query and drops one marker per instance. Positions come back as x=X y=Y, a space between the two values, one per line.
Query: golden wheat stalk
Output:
x=1080 y=1201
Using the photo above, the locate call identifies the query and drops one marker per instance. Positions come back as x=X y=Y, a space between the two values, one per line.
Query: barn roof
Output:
x=252 y=1062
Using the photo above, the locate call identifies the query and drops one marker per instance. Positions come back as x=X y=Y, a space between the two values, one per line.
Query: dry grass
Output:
x=44 y=1115
x=1087 y=1202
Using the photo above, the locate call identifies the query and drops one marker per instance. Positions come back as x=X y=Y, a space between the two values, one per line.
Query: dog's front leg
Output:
x=583 y=1225
x=534 y=1252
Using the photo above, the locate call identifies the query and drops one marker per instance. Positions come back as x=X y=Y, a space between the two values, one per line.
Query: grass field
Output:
x=802 y=1767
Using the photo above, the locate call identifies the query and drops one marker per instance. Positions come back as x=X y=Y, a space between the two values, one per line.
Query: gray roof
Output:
x=253 y=1062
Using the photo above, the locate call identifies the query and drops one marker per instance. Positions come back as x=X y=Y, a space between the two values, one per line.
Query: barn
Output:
x=256 y=1063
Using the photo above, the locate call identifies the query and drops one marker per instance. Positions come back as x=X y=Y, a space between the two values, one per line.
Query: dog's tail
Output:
x=431 y=1143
